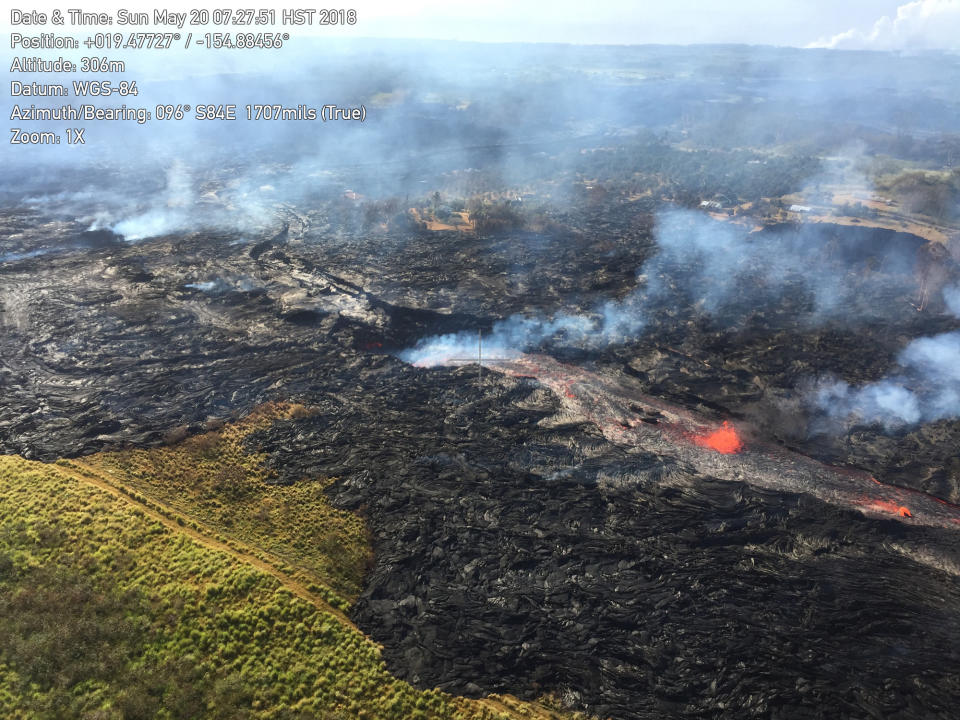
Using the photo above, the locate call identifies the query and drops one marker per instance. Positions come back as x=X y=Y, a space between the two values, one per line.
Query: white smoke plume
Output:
x=179 y=208
x=172 y=212
x=612 y=321
x=707 y=261
x=700 y=260
x=927 y=389
x=919 y=25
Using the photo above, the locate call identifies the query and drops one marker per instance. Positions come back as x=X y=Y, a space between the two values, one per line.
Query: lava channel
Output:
x=628 y=417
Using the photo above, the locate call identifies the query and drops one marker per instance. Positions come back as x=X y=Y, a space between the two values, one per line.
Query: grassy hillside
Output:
x=115 y=606
x=211 y=479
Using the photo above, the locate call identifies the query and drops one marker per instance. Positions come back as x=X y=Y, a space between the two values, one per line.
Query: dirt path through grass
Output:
x=174 y=520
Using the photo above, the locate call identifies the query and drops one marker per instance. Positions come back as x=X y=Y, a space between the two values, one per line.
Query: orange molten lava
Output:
x=725 y=440
x=901 y=510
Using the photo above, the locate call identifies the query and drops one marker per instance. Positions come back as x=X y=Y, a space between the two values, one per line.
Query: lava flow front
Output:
x=628 y=417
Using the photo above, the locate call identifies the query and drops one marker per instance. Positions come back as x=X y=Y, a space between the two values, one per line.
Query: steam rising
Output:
x=169 y=215
x=180 y=208
x=714 y=266
x=706 y=263
x=927 y=389
x=443 y=109
x=612 y=321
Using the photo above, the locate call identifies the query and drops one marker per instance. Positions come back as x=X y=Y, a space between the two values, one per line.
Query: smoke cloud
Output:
x=463 y=108
x=927 y=389
x=179 y=208
x=722 y=271
x=719 y=269
x=170 y=214
x=920 y=25
x=610 y=322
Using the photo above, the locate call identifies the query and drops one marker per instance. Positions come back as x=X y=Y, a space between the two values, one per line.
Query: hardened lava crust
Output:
x=521 y=545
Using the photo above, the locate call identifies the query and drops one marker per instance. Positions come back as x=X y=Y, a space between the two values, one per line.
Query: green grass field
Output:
x=209 y=478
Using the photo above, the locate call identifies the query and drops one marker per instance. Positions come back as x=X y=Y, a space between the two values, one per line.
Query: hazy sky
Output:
x=777 y=22
x=850 y=24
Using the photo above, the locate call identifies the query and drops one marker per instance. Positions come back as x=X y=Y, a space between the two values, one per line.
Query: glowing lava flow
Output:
x=628 y=417
x=725 y=440
x=887 y=506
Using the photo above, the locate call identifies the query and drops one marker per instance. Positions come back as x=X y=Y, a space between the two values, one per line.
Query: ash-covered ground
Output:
x=517 y=549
